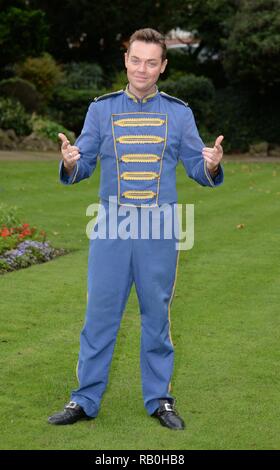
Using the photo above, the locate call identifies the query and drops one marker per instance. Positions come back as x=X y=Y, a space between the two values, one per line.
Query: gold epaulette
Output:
x=108 y=95
x=173 y=98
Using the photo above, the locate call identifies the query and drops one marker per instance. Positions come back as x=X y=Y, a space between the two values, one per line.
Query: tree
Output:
x=23 y=32
x=207 y=19
x=252 y=55
x=95 y=31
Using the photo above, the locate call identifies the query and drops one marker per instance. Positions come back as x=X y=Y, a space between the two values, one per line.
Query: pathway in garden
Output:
x=45 y=156
x=18 y=155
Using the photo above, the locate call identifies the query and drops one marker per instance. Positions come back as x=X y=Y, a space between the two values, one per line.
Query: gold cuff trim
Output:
x=75 y=176
x=139 y=194
x=140 y=139
x=140 y=158
x=139 y=175
x=134 y=122
x=207 y=174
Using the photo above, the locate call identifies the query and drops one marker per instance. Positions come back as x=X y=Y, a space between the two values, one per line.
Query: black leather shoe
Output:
x=71 y=413
x=167 y=415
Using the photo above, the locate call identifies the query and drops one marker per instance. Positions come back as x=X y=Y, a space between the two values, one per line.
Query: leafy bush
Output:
x=23 y=91
x=182 y=61
x=13 y=116
x=198 y=92
x=43 y=72
x=82 y=75
x=50 y=129
x=69 y=106
x=120 y=81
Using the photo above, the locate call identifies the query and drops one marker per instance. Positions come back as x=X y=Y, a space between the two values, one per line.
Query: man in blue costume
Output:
x=140 y=134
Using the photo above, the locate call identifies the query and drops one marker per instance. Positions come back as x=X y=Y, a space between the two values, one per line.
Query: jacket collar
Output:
x=138 y=100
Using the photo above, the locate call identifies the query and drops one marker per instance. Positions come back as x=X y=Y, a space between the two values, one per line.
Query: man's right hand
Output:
x=70 y=153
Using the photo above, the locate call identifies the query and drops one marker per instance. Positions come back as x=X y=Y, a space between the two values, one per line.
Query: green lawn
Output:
x=225 y=321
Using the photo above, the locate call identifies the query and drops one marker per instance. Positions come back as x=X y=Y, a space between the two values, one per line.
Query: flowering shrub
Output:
x=10 y=237
x=27 y=253
x=22 y=245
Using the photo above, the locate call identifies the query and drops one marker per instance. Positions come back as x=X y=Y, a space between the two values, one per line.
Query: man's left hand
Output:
x=214 y=155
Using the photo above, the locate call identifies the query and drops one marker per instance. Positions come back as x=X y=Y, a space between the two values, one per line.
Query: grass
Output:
x=225 y=321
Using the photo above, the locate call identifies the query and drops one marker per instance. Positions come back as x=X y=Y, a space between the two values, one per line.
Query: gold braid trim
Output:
x=139 y=194
x=140 y=139
x=134 y=122
x=139 y=175
x=140 y=158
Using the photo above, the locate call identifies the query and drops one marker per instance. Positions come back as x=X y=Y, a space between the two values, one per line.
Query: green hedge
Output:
x=50 y=129
x=13 y=116
x=82 y=75
x=198 y=92
x=245 y=119
x=23 y=91
x=69 y=106
x=241 y=116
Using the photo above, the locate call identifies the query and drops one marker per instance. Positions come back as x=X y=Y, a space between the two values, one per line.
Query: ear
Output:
x=163 y=66
x=125 y=59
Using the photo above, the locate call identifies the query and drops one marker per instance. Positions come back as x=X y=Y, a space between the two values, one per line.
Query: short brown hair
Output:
x=149 y=35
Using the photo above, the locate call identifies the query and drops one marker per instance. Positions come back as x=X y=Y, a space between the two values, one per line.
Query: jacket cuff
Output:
x=64 y=177
x=214 y=180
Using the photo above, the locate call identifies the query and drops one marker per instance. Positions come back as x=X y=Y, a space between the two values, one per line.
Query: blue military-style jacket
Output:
x=139 y=143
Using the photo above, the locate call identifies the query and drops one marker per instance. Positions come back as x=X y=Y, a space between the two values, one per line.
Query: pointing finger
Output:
x=219 y=140
x=65 y=142
x=62 y=137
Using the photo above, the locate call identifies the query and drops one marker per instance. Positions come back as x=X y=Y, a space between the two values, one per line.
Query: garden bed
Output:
x=21 y=245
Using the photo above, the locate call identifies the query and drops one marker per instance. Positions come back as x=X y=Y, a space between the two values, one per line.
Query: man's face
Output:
x=144 y=65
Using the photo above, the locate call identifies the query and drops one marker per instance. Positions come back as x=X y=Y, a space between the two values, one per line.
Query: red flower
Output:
x=22 y=231
x=5 y=232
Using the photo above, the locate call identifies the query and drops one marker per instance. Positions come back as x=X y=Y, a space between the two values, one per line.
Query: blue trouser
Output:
x=114 y=264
